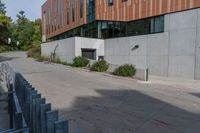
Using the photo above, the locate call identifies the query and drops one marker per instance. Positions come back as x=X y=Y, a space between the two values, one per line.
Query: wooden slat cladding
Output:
x=119 y=11
x=138 y=9
x=66 y=6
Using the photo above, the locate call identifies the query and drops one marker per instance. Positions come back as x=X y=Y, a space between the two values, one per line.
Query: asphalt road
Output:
x=99 y=103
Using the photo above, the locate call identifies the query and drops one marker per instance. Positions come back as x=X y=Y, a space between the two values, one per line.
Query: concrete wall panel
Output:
x=198 y=22
x=69 y=48
x=198 y=35
x=182 y=42
x=65 y=49
x=183 y=20
x=167 y=23
x=139 y=61
x=197 y=59
x=141 y=41
x=158 y=65
x=157 y=44
x=181 y=66
x=89 y=43
x=122 y=48
x=109 y=50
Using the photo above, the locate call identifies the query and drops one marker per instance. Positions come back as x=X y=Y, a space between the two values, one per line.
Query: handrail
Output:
x=28 y=111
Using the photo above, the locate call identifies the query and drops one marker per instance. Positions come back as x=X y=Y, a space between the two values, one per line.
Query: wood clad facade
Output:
x=52 y=17
x=139 y=9
x=120 y=11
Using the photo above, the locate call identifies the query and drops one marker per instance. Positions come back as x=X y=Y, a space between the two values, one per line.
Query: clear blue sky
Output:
x=32 y=8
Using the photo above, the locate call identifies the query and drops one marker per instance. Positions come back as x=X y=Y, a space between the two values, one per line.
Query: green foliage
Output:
x=27 y=33
x=100 y=66
x=42 y=59
x=80 y=62
x=24 y=31
x=21 y=18
x=2 y=8
x=4 y=48
x=57 y=60
x=125 y=71
x=4 y=24
x=34 y=52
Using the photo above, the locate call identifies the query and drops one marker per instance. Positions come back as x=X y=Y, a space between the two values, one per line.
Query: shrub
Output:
x=100 y=66
x=34 y=52
x=41 y=58
x=80 y=62
x=57 y=60
x=125 y=71
x=4 y=48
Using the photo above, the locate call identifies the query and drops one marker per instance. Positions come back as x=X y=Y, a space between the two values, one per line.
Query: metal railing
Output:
x=29 y=112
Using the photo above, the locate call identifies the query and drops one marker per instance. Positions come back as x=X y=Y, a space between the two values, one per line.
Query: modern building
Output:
x=159 y=35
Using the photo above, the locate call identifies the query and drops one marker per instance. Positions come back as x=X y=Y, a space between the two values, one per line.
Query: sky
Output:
x=32 y=8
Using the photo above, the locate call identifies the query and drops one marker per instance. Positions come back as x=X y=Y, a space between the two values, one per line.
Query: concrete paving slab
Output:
x=95 y=103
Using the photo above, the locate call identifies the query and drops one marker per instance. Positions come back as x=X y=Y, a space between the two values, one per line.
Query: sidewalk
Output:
x=4 y=117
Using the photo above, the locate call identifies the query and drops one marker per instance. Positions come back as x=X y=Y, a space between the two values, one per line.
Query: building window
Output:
x=124 y=0
x=59 y=13
x=73 y=10
x=159 y=24
x=89 y=53
x=81 y=8
x=111 y=29
x=90 y=10
x=146 y=26
x=68 y=18
x=110 y=2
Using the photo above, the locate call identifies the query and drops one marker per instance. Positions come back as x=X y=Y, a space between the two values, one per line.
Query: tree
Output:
x=4 y=24
x=21 y=18
x=26 y=32
x=37 y=37
x=2 y=8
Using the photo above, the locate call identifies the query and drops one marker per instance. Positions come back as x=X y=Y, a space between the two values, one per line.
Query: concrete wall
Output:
x=65 y=49
x=68 y=49
x=174 y=53
x=197 y=65
x=89 y=43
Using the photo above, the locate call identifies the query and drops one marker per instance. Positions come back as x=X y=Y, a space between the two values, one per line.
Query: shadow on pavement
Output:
x=2 y=58
x=128 y=111
x=196 y=94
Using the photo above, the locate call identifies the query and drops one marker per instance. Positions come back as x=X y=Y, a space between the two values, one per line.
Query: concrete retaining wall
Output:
x=65 y=49
x=174 y=53
x=68 y=49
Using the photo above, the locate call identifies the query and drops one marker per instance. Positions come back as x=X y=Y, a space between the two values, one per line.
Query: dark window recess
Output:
x=67 y=17
x=73 y=10
x=90 y=10
x=109 y=29
x=110 y=2
x=101 y=58
x=81 y=8
x=89 y=53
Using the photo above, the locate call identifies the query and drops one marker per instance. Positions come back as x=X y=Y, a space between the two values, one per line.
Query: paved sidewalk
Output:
x=97 y=103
